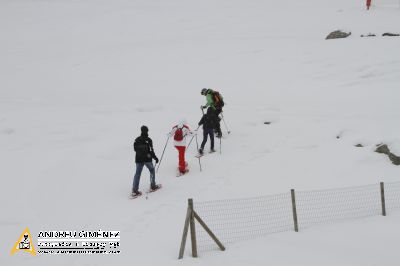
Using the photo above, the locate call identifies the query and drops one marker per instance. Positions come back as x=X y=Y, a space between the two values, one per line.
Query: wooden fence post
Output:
x=209 y=232
x=185 y=232
x=383 y=199
x=192 y=230
x=191 y=215
x=296 y=225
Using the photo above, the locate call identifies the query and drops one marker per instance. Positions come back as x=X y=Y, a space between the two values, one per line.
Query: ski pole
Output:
x=201 y=107
x=192 y=138
x=229 y=132
x=197 y=145
x=163 y=153
x=220 y=145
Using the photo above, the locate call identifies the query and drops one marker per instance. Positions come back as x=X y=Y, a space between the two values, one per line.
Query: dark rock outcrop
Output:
x=338 y=35
x=368 y=35
x=383 y=148
x=390 y=34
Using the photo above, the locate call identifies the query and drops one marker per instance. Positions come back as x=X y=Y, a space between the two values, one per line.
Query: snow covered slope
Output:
x=79 y=78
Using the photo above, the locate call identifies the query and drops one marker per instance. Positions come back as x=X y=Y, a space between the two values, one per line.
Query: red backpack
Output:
x=218 y=100
x=178 y=136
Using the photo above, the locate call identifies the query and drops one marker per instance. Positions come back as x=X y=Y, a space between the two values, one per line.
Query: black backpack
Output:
x=142 y=148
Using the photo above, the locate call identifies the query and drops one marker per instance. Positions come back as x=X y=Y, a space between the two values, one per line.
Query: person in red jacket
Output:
x=179 y=132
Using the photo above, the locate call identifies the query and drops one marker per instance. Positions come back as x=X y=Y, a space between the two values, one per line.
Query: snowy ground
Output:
x=79 y=78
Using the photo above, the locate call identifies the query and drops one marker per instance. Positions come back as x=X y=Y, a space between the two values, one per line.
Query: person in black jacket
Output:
x=208 y=121
x=143 y=147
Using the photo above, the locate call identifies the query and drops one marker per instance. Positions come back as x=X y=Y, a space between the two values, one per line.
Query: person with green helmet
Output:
x=214 y=105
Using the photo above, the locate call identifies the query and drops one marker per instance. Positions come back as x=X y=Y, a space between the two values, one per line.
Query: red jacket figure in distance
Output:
x=179 y=132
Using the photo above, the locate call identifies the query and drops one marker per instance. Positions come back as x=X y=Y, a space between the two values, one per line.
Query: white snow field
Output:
x=79 y=78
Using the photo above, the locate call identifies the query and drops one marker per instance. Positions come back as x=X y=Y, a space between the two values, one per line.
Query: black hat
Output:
x=144 y=129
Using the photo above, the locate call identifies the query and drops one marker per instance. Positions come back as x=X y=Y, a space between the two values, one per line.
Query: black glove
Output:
x=156 y=159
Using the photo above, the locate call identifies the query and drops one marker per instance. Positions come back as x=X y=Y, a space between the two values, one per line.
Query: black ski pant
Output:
x=215 y=113
x=206 y=132
x=218 y=126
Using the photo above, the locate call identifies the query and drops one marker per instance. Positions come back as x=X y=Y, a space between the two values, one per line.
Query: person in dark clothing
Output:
x=208 y=122
x=143 y=147
x=215 y=108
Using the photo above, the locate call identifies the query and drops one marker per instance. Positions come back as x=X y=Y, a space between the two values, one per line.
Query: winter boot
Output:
x=154 y=187
x=136 y=194
x=184 y=172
